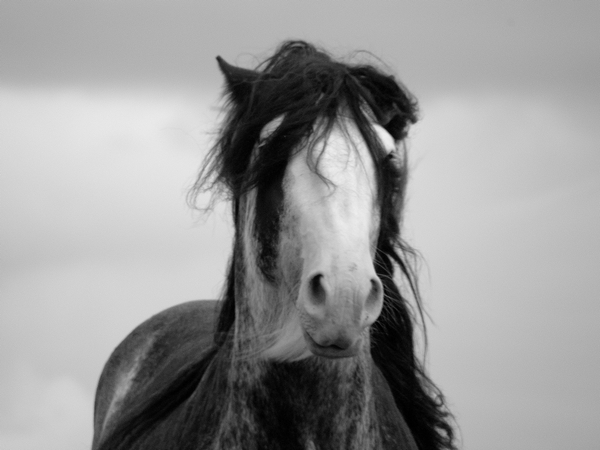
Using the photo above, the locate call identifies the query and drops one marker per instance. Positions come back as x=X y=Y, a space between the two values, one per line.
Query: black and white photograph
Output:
x=317 y=225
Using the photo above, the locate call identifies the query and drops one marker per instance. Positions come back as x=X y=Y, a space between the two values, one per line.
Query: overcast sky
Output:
x=107 y=109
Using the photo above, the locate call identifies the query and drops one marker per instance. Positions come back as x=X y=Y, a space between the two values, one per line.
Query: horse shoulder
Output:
x=161 y=344
x=394 y=431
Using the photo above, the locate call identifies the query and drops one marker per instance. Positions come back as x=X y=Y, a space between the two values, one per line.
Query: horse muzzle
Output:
x=337 y=309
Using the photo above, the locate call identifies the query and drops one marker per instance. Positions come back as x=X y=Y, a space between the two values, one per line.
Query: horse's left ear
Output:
x=397 y=118
x=391 y=119
x=388 y=115
x=239 y=80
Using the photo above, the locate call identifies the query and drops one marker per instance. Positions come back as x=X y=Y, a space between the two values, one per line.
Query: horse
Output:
x=312 y=344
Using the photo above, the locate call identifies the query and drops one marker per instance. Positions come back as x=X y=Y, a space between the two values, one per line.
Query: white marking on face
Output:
x=335 y=217
x=334 y=205
x=330 y=224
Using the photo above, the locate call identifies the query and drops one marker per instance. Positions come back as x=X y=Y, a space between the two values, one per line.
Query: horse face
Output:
x=328 y=229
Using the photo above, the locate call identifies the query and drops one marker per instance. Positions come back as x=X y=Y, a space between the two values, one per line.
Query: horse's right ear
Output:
x=239 y=80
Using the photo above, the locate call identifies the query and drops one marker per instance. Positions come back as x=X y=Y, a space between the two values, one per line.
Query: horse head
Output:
x=310 y=155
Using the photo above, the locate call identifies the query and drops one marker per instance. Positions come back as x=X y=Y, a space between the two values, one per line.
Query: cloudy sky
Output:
x=107 y=108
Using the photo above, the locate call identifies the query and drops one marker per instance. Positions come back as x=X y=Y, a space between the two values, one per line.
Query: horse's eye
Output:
x=390 y=155
x=393 y=160
x=389 y=158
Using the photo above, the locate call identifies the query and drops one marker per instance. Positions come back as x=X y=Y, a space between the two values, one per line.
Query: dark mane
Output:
x=302 y=84
x=305 y=84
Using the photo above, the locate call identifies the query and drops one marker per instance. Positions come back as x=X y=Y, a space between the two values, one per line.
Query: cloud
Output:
x=38 y=412
x=93 y=173
x=504 y=207
x=95 y=238
x=437 y=45
x=504 y=146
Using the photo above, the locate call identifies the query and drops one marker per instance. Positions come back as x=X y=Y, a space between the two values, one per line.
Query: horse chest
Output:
x=300 y=409
x=310 y=155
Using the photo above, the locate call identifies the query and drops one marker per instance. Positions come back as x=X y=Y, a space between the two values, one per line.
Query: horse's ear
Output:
x=391 y=119
x=397 y=117
x=239 y=80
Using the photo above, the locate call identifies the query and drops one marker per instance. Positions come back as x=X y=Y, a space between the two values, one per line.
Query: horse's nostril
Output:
x=318 y=293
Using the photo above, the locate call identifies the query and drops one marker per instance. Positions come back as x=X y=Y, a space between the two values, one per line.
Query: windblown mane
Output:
x=305 y=85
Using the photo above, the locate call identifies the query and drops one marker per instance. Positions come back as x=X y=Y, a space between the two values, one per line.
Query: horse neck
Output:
x=315 y=401
x=306 y=404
